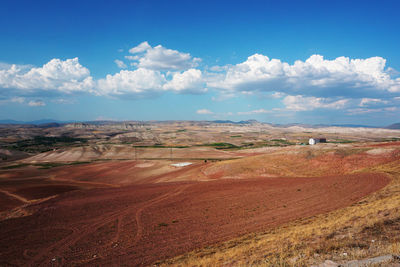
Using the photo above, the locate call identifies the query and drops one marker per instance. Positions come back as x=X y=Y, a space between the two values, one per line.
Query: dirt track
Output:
x=140 y=224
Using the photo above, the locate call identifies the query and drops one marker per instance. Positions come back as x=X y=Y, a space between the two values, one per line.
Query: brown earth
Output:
x=140 y=224
x=8 y=202
x=136 y=212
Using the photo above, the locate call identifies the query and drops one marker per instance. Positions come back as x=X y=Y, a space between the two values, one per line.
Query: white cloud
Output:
x=252 y=112
x=204 y=112
x=278 y=95
x=301 y=103
x=120 y=64
x=371 y=101
x=303 y=85
x=136 y=82
x=140 y=48
x=187 y=81
x=161 y=58
x=57 y=75
x=316 y=76
x=132 y=58
x=19 y=100
x=359 y=111
x=36 y=103
x=63 y=101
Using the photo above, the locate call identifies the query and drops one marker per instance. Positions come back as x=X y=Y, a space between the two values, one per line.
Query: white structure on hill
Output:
x=313 y=141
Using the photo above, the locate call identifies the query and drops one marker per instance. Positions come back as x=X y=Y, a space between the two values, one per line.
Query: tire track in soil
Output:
x=139 y=212
x=140 y=227
x=80 y=232
x=20 y=198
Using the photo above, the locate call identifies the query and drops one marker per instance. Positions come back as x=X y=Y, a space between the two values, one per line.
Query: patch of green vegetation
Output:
x=223 y=145
x=49 y=165
x=44 y=143
x=341 y=141
x=195 y=159
x=236 y=136
x=15 y=166
x=280 y=142
x=247 y=145
x=79 y=162
x=161 y=146
x=181 y=130
x=393 y=139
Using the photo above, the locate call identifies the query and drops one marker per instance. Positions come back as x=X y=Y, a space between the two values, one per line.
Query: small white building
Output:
x=313 y=141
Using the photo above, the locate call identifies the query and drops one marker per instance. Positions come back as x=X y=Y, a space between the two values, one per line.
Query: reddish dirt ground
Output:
x=140 y=224
x=8 y=202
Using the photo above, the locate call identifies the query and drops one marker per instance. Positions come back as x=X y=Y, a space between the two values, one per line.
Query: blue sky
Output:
x=274 y=61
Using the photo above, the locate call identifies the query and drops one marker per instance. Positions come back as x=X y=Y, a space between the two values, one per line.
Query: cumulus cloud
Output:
x=36 y=103
x=144 y=46
x=302 y=103
x=120 y=64
x=252 y=112
x=59 y=77
x=316 y=76
x=188 y=81
x=137 y=82
x=161 y=58
x=204 y=112
x=64 y=76
x=147 y=71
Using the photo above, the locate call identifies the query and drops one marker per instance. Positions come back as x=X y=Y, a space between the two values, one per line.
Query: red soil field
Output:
x=140 y=224
x=8 y=202
x=37 y=192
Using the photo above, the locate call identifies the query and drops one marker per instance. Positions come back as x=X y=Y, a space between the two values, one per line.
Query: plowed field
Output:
x=140 y=224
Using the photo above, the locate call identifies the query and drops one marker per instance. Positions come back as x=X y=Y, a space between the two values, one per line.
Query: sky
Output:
x=315 y=62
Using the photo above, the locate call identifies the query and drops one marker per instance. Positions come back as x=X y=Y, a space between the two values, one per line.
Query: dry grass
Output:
x=300 y=162
x=368 y=228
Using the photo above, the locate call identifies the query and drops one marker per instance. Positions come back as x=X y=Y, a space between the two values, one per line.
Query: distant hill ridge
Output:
x=47 y=123
x=394 y=126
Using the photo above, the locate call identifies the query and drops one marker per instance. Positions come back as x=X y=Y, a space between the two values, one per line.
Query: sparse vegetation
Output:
x=44 y=165
x=159 y=146
x=340 y=141
x=15 y=166
x=49 y=165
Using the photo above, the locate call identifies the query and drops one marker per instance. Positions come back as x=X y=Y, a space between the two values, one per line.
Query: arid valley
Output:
x=196 y=193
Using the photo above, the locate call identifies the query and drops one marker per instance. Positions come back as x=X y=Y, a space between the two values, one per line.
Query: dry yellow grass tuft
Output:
x=368 y=228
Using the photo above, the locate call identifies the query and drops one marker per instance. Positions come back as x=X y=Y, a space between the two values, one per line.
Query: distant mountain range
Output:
x=37 y=122
x=56 y=123
x=236 y=122
x=394 y=126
